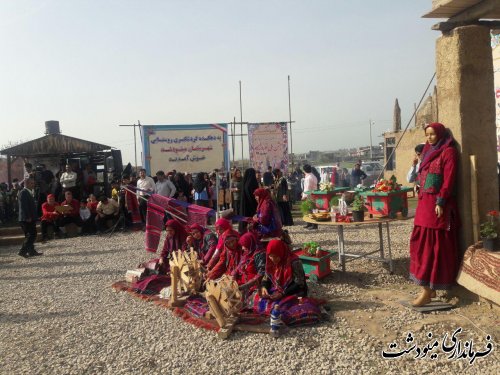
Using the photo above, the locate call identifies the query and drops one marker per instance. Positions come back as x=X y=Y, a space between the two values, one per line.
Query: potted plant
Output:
x=312 y=248
x=326 y=186
x=358 y=208
x=334 y=202
x=307 y=206
x=385 y=186
x=315 y=261
x=489 y=230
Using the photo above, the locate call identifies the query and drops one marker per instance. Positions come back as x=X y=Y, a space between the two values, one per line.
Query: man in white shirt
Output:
x=145 y=186
x=68 y=181
x=310 y=181
x=310 y=184
x=164 y=186
x=412 y=173
x=107 y=209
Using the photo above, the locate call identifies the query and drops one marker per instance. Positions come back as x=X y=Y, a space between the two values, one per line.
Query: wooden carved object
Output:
x=226 y=294
x=186 y=272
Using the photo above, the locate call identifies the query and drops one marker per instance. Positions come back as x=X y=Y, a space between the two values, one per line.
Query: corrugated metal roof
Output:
x=53 y=144
x=450 y=8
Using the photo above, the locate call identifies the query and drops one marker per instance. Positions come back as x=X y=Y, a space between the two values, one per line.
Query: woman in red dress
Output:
x=252 y=265
x=433 y=243
x=284 y=283
x=267 y=220
x=202 y=240
x=175 y=240
x=211 y=258
x=229 y=257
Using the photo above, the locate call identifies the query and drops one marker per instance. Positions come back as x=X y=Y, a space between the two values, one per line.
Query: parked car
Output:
x=373 y=170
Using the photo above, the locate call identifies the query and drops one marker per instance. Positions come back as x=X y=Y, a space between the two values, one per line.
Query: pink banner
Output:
x=268 y=145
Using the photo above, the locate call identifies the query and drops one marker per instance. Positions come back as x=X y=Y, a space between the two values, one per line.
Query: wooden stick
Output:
x=225 y=331
x=474 y=199
x=175 y=279
x=215 y=310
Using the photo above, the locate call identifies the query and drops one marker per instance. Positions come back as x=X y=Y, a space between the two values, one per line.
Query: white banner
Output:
x=185 y=148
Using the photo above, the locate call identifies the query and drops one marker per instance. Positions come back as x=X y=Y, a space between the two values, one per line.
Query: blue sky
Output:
x=93 y=65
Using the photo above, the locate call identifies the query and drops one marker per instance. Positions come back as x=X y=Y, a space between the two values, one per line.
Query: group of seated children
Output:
x=267 y=272
x=90 y=215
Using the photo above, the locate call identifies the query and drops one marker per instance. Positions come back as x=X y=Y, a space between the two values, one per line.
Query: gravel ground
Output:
x=59 y=315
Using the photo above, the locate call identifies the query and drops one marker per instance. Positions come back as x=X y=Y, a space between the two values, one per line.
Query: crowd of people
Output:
x=268 y=273
x=258 y=254
x=67 y=198
x=80 y=182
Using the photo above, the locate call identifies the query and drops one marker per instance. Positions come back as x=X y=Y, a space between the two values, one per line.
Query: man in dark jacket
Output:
x=27 y=218
x=357 y=175
x=268 y=177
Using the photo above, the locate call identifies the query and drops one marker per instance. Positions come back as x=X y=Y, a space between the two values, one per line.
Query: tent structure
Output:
x=54 y=144
x=57 y=146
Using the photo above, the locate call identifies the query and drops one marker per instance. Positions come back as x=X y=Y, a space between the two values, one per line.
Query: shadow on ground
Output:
x=64 y=275
x=32 y=317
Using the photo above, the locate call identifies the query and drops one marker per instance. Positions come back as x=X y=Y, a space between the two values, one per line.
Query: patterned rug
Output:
x=191 y=312
x=480 y=272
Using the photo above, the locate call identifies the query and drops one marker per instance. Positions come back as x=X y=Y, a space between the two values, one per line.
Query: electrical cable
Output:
x=406 y=128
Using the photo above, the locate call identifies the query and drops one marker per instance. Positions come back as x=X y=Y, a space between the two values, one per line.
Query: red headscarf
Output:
x=231 y=234
x=263 y=194
x=51 y=196
x=232 y=254
x=197 y=227
x=249 y=241
x=225 y=224
x=444 y=140
x=439 y=128
x=178 y=240
x=281 y=274
x=245 y=270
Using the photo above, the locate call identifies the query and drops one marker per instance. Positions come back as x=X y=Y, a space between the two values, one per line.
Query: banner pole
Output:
x=290 y=121
x=241 y=126
x=233 y=129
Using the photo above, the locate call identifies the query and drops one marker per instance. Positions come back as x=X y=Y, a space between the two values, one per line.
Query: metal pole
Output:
x=241 y=126
x=371 y=147
x=290 y=119
x=135 y=150
x=230 y=172
x=217 y=187
x=135 y=142
x=233 y=129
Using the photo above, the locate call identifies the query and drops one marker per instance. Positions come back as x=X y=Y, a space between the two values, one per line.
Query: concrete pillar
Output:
x=466 y=105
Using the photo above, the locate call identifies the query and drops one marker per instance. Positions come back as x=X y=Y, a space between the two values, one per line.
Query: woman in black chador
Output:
x=248 y=205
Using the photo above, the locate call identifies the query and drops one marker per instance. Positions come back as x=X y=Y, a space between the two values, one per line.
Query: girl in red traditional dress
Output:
x=433 y=243
x=229 y=256
x=212 y=256
x=175 y=240
x=284 y=283
x=202 y=240
x=267 y=220
x=251 y=267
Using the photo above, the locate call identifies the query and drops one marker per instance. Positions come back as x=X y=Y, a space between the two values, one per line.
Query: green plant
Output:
x=307 y=206
x=334 y=201
x=311 y=247
x=358 y=204
x=489 y=229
